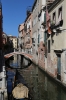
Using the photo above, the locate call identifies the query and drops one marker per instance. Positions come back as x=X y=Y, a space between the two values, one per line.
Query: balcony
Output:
x=55 y=28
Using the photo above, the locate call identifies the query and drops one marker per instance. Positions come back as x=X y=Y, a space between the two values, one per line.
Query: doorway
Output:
x=59 y=66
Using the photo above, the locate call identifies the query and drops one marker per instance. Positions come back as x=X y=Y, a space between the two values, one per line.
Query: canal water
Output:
x=41 y=87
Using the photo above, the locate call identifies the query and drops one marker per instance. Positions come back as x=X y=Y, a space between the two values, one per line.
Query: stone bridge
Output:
x=29 y=56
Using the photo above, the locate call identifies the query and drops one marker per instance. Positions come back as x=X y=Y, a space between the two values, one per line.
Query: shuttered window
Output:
x=60 y=12
x=38 y=38
x=54 y=17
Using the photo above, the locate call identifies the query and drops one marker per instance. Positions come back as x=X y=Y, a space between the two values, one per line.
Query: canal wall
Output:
x=51 y=75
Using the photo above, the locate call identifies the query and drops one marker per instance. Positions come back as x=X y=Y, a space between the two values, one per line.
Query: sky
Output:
x=14 y=13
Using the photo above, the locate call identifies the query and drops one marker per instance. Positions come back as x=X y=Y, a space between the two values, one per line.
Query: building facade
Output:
x=38 y=29
x=35 y=10
x=28 y=32
x=21 y=37
x=56 y=42
x=48 y=34
x=13 y=41
x=51 y=46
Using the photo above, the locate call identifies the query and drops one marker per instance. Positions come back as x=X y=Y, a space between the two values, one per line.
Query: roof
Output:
x=51 y=6
x=34 y=4
x=48 y=2
x=4 y=33
x=12 y=36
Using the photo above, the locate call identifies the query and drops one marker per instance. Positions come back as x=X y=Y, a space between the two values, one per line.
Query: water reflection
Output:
x=17 y=62
x=41 y=87
x=13 y=62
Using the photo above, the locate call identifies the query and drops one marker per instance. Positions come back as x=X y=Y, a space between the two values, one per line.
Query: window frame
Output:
x=54 y=16
x=60 y=10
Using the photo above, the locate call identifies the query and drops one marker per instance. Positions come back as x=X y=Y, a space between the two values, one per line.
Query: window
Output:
x=45 y=18
x=65 y=61
x=22 y=31
x=54 y=17
x=46 y=49
x=15 y=39
x=33 y=40
x=60 y=13
x=32 y=23
x=48 y=46
x=35 y=19
x=45 y=37
x=38 y=2
x=38 y=38
x=15 y=43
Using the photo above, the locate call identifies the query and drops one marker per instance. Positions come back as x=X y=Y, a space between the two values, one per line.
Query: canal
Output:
x=41 y=87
